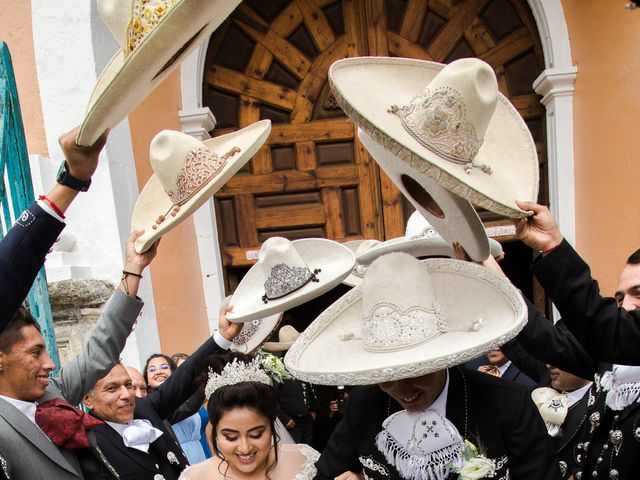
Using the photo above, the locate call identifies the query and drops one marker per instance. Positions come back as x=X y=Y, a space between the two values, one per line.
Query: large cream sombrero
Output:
x=409 y=318
x=186 y=173
x=420 y=240
x=255 y=332
x=288 y=274
x=155 y=36
x=445 y=136
x=287 y=335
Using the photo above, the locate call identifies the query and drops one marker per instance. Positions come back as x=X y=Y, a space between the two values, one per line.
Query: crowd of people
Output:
x=420 y=361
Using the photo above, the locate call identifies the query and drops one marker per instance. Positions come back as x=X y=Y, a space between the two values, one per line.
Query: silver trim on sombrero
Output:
x=284 y=279
x=437 y=120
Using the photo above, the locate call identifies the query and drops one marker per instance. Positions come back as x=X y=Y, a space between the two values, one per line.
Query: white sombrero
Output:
x=255 y=332
x=420 y=240
x=155 y=36
x=409 y=318
x=186 y=173
x=445 y=136
x=288 y=274
x=358 y=246
x=286 y=336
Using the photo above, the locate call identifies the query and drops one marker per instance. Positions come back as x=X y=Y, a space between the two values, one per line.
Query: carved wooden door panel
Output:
x=312 y=177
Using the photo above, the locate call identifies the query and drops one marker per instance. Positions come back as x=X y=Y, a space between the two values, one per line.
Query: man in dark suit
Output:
x=496 y=363
x=25 y=387
x=498 y=415
x=134 y=442
x=608 y=328
x=25 y=245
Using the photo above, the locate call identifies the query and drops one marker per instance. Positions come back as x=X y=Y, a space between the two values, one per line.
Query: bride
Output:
x=242 y=407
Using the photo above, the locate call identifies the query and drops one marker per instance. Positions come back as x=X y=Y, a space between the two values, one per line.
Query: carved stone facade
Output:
x=76 y=306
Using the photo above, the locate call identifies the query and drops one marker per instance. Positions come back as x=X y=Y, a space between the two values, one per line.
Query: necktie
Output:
x=65 y=424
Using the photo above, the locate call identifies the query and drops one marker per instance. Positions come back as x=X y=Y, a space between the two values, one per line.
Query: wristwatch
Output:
x=65 y=178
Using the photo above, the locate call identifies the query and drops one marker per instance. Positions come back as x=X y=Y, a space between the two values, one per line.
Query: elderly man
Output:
x=134 y=441
x=140 y=388
x=30 y=402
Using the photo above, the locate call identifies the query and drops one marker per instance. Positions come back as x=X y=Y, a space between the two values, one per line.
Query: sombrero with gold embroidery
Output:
x=155 y=36
x=186 y=173
x=445 y=136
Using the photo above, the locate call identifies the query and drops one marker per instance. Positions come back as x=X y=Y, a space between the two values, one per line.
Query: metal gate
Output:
x=16 y=189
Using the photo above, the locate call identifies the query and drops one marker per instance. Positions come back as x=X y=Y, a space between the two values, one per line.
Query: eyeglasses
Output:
x=153 y=368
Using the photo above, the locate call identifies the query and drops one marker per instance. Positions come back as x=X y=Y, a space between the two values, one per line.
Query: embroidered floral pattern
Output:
x=248 y=330
x=371 y=464
x=284 y=279
x=146 y=15
x=309 y=469
x=437 y=120
x=387 y=328
x=201 y=165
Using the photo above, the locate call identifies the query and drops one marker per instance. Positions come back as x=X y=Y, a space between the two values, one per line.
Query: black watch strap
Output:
x=65 y=178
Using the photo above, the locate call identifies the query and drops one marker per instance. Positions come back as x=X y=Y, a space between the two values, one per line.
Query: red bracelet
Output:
x=544 y=252
x=52 y=205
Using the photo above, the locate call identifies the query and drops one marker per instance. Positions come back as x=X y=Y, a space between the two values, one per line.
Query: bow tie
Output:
x=139 y=433
x=553 y=408
x=65 y=424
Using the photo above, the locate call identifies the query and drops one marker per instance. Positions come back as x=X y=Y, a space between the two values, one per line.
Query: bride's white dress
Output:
x=295 y=462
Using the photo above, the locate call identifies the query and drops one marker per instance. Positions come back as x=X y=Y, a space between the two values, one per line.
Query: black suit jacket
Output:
x=486 y=410
x=512 y=373
x=22 y=253
x=607 y=332
x=165 y=456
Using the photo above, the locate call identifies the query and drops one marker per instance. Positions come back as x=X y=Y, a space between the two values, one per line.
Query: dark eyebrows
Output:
x=231 y=430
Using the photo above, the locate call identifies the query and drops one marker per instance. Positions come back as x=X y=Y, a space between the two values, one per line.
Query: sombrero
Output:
x=358 y=246
x=288 y=274
x=445 y=136
x=186 y=173
x=253 y=333
x=155 y=36
x=409 y=318
x=420 y=240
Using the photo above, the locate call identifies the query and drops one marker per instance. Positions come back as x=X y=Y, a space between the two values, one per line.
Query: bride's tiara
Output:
x=236 y=372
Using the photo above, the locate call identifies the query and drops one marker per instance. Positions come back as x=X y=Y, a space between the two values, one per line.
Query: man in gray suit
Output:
x=25 y=366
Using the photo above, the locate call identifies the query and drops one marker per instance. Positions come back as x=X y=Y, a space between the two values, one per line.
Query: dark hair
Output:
x=257 y=396
x=634 y=258
x=172 y=365
x=12 y=333
x=176 y=357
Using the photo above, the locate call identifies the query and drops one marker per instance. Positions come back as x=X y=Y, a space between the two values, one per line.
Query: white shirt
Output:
x=28 y=409
x=576 y=395
x=504 y=367
x=44 y=206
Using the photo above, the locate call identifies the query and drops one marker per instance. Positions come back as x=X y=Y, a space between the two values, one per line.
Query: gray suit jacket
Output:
x=29 y=452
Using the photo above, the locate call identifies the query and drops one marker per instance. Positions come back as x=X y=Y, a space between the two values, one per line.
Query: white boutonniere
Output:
x=475 y=465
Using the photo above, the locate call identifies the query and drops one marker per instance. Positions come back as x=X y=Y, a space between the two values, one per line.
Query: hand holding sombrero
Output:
x=154 y=36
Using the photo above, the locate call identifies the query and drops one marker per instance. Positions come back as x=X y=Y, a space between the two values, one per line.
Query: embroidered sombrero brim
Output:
x=466 y=293
x=124 y=83
x=254 y=333
x=154 y=201
x=366 y=87
x=417 y=247
x=333 y=259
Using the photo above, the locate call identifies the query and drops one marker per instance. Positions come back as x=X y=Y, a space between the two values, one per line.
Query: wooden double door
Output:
x=313 y=178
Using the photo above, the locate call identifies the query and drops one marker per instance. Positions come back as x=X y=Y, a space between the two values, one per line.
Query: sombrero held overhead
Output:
x=289 y=273
x=420 y=240
x=408 y=318
x=186 y=173
x=445 y=136
x=154 y=36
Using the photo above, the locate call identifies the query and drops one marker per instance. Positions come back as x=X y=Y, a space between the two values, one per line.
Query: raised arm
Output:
x=608 y=332
x=23 y=249
x=107 y=340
